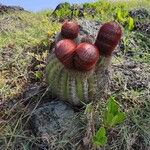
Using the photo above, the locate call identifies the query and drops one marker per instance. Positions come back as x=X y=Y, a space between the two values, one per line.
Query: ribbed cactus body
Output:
x=74 y=86
x=75 y=83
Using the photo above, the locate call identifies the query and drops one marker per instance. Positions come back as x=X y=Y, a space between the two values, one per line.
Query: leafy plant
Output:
x=62 y=13
x=112 y=117
x=130 y=23
x=100 y=138
x=122 y=17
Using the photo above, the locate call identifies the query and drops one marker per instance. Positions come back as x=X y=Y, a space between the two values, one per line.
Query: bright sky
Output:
x=36 y=5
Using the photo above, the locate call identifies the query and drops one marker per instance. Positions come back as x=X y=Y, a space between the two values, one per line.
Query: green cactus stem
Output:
x=74 y=86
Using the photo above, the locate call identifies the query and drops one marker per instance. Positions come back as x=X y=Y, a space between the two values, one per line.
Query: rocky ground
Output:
x=127 y=77
x=53 y=124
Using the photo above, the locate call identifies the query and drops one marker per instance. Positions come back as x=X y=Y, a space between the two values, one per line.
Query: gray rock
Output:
x=141 y=17
x=57 y=124
x=141 y=13
x=88 y=27
x=5 y=9
x=88 y=31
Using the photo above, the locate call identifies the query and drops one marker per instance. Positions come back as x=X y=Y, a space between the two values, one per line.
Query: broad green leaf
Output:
x=113 y=116
x=112 y=106
x=119 y=15
x=101 y=132
x=101 y=142
x=119 y=118
x=100 y=139
x=108 y=117
x=130 y=23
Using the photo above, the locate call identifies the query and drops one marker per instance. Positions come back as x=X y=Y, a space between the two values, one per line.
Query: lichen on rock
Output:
x=54 y=122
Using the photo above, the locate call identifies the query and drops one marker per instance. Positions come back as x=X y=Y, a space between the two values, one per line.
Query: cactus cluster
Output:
x=77 y=68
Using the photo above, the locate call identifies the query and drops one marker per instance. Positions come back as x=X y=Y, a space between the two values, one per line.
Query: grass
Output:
x=21 y=34
x=25 y=39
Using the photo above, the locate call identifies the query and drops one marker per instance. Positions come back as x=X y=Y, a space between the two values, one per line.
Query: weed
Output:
x=111 y=117
x=122 y=17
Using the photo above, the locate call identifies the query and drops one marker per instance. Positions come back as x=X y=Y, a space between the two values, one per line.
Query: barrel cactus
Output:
x=77 y=71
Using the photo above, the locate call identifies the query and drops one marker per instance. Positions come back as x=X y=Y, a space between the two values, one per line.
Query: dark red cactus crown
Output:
x=84 y=56
x=70 y=30
x=64 y=51
x=108 y=37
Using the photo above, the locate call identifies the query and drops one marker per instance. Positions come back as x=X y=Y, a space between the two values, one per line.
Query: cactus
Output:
x=78 y=86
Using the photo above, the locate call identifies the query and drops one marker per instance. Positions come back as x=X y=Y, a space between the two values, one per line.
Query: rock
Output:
x=59 y=8
x=89 y=8
x=142 y=26
x=89 y=28
x=132 y=75
x=81 y=12
x=56 y=122
x=141 y=13
x=141 y=17
x=79 y=9
x=6 y=9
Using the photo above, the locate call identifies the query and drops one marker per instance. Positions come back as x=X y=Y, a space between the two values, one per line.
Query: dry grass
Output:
x=21 y=35
x=24 y=43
